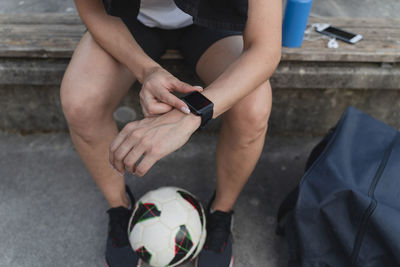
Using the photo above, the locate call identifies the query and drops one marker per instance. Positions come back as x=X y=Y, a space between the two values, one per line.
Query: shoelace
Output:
x=119 y=219
x=218 y=230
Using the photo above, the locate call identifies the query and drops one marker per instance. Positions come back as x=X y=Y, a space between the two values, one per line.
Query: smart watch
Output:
x=200 y=106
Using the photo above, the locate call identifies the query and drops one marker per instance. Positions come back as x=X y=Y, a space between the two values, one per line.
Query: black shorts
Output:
x=192 y=41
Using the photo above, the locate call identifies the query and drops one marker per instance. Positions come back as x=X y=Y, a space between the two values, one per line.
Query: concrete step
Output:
x=312 y=86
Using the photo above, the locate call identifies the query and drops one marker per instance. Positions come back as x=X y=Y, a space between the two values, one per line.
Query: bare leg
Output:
x=92 y=88
x=243 y=126
x=240 y=144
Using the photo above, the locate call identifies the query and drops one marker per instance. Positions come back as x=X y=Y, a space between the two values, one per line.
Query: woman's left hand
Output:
x=142 y=143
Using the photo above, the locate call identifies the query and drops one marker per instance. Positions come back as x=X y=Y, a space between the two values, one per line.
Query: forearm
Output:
x=112 y=34
x=262 y=52
x=250 y=70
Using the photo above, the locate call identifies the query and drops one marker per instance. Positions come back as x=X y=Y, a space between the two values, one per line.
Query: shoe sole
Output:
x=138 y=265
x=230 y=264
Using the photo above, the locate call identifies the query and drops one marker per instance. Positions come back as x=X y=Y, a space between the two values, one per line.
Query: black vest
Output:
x=220 y=14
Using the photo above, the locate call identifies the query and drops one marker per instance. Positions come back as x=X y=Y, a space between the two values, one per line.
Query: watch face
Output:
x=197 y=100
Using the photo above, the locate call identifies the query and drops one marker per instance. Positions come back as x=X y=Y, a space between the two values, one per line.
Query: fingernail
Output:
x=119 y=173
x=198 y=86
x=185 y=110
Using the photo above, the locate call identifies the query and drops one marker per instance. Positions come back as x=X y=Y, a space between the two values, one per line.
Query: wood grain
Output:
x=381 y=42
x=55 y=35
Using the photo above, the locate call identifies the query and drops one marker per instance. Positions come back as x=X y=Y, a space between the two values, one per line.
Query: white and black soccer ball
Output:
x=167 y=227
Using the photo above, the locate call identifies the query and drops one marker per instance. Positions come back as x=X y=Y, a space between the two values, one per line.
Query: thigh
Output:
x=94 y=78
x=197 y=41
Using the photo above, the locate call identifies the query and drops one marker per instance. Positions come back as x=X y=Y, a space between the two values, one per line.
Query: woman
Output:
x=234 y=47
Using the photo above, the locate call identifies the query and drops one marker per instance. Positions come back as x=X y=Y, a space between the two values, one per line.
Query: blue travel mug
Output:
x=295 y=22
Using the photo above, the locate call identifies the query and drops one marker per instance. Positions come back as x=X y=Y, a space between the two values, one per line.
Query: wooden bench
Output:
x=312 y=85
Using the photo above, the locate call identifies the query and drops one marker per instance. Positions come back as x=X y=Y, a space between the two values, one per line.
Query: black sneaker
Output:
x=217 y=250
x=119 y=252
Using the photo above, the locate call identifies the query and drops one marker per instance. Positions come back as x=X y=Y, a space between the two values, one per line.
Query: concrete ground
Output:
x=52 y=213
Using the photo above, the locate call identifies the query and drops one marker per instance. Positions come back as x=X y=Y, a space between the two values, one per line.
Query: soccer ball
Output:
x=167 y=227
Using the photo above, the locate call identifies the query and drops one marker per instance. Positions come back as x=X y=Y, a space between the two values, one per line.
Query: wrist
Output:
x=193 y=120
x=212 y=97
x=190 y=120
x=147 y=71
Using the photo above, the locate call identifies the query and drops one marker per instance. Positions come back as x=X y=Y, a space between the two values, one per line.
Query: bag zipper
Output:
x=371 y=193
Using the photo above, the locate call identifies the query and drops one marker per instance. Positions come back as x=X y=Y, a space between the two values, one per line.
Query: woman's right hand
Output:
x=156 y=94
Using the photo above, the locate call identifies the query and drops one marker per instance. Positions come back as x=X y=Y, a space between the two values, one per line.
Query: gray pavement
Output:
x=52 y=213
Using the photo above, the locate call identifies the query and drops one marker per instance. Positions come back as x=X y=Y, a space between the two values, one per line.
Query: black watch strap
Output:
x=206 y=115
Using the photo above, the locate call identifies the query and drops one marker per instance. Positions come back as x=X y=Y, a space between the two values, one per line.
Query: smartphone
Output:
x=340 y=34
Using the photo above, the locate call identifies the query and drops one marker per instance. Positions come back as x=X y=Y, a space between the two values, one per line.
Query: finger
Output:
x=146 y=103
x=123 y=150
x=125 y=132
x=132 y=158
x=183 y=87
x=145 y=113
x=174 y=101
x=145 y=165
x=158 y=108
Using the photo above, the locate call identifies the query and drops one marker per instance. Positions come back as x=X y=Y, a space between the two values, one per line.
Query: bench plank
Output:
x=381 y=42
x=55 y=35
x=312 y=85
x=40 y=18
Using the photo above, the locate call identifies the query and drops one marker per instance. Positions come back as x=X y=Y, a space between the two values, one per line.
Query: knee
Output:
x=249 y=123
x=252 y=125
x=82 y=114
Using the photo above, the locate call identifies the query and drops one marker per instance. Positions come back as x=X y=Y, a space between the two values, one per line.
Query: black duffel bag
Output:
x=346 y=209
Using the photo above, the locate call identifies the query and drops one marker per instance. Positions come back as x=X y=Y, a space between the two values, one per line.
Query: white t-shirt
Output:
x=163 y=14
